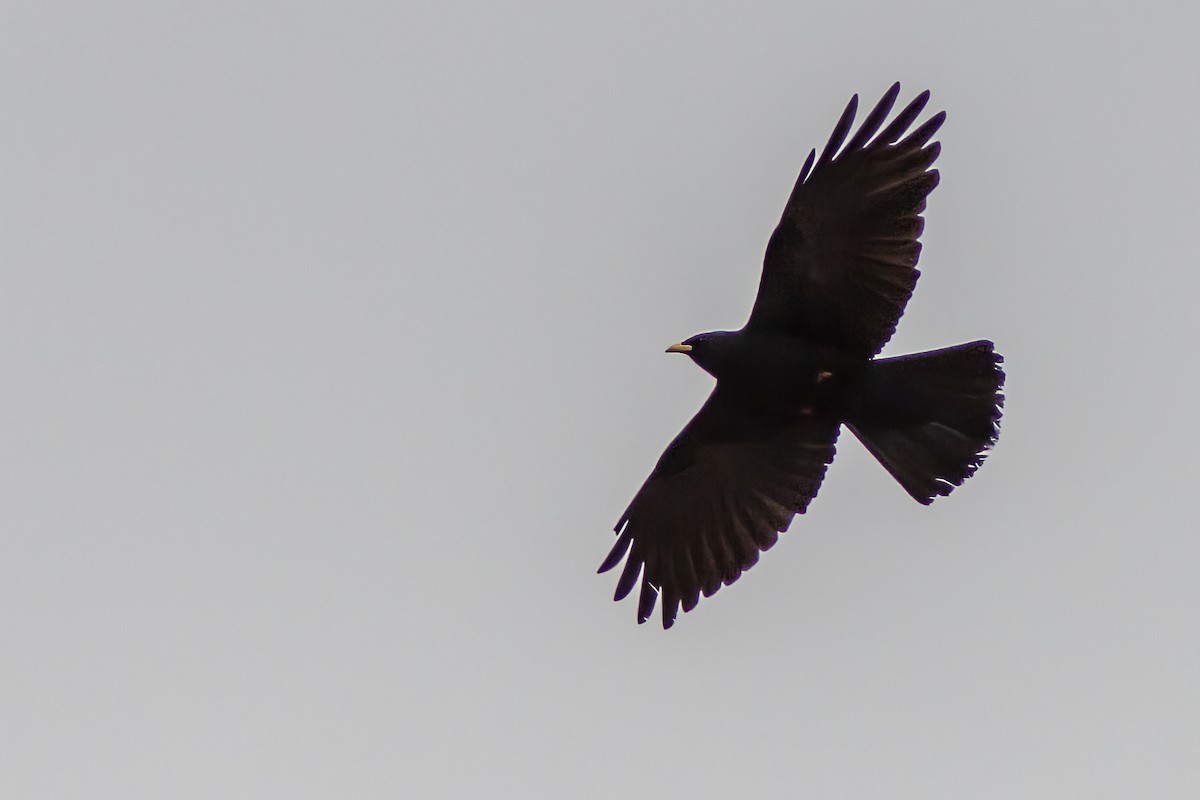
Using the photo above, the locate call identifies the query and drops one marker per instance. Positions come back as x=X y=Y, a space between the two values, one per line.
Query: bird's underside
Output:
x=838 y=271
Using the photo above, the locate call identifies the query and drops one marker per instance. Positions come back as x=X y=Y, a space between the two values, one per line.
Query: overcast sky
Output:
x=331 y=343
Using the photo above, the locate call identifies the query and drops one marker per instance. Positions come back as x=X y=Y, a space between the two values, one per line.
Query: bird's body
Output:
x=838 y=271
x=768 y=367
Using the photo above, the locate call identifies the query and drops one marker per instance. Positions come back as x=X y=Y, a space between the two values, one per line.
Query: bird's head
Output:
x=708 y=350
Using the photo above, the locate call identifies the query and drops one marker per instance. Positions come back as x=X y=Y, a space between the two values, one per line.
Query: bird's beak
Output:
x=679 y=348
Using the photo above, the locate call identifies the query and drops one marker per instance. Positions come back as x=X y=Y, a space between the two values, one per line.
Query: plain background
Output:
x=331 y=345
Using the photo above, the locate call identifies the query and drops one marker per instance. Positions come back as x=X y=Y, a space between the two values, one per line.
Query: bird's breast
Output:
x=785 y=373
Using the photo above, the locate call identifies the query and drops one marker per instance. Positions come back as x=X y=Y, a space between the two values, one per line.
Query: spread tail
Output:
x=929 y=417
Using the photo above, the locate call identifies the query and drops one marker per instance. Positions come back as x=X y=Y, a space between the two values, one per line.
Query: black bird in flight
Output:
x=837 y=274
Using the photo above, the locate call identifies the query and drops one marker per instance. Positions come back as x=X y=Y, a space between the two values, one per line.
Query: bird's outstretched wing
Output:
x=721 y=494
x=841 y=265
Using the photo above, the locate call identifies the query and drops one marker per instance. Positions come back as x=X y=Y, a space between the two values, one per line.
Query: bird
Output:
x=838 y=271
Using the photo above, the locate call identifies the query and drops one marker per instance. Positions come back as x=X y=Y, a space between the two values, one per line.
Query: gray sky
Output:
x=332 y=350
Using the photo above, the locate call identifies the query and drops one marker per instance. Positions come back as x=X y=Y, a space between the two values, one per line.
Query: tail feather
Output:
x=930 y=417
